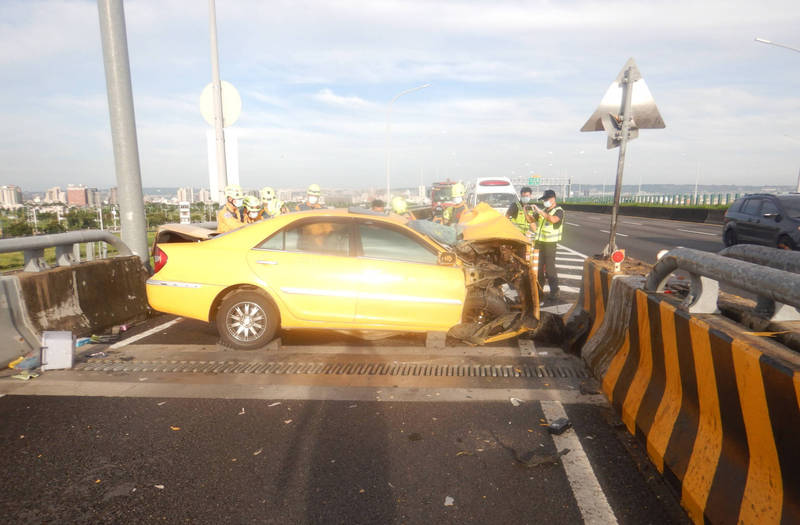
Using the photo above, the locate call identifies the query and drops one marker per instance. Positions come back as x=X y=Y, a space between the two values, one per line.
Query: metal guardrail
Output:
x=67 y=247
x=707 y=270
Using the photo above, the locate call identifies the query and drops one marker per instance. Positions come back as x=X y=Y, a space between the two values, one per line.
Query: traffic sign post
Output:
x=622 y=120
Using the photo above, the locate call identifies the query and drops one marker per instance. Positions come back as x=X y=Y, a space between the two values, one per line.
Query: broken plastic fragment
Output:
x=558 y=426
x=449 y=501
x=287 y=421
x=174 y=428
x=274 y=404
x=515 y=401
x=159 y=487
x=241 y=412
x=257 y=452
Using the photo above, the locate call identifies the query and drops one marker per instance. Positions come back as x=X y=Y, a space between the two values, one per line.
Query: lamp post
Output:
x=389 y=137
x=770 y=42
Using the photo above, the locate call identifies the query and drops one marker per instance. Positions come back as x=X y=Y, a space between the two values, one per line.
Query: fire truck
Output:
x=441 y=198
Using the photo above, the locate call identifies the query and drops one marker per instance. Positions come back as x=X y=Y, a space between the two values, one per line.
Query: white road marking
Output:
x=588 y=493
x=567 y=267
x=569 y=289
x=571 y=251
x=618 y=233
x=569 y=276
x=133 y=339
x=568 y=259
x=634 y=223
x=699 y=233
x=573 y=224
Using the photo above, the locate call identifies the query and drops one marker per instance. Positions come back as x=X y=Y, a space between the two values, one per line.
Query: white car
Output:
x=497 y=192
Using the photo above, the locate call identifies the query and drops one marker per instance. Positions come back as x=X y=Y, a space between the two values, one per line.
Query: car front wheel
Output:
x=786 y=243
x=246 y=320
x=730 y=237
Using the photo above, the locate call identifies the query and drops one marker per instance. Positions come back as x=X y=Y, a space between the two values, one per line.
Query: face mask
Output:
x=312 y=199
x=268 y=199
x=253 y=214
x=238 y=202
x=549 y=204
x=525 y=200
x=457 y=200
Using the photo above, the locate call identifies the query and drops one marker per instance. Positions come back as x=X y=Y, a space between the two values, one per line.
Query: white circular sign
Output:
x=231 y=104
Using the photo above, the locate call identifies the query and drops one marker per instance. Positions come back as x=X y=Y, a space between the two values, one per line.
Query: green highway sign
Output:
x=534 y=180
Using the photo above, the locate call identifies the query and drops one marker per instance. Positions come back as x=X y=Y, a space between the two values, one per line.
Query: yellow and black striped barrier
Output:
x=586 y=315
x=717 y=407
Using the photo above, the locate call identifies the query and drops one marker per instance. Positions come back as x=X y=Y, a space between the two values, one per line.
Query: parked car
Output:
x=771 y=220
x=497 y=192
x=351 y=270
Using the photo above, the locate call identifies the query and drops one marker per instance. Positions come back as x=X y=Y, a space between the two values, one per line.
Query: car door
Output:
x=402 y=284
x=746 y=229
x=309 y=266
x=766 y=226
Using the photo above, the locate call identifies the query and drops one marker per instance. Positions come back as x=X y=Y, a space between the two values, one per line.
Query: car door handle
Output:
x=267 y=262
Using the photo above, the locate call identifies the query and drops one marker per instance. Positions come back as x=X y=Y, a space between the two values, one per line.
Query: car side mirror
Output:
x=446 y=259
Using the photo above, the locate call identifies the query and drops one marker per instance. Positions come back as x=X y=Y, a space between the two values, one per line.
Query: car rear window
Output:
x=791 y=206
x=324 y=237
x=751 y=206
x=498 y=200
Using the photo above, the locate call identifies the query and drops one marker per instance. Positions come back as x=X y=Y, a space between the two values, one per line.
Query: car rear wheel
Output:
x=246 y=320
x=730 y=237
x=786 y=243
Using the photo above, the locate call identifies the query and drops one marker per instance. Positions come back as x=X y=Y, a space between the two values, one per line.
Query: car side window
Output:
x=751 y=207
x=323 y=237
x=273 y=243
x=381 y=242
x=769 y=207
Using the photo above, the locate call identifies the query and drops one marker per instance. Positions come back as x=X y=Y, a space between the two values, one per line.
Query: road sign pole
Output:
x=627 y=91
x=222 y=167
x=123 y=127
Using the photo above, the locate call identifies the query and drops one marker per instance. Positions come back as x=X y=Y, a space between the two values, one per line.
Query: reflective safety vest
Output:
x=273 y=208
x=452 y=214
x=520 y=221
x=545 y=231
x=229 y=218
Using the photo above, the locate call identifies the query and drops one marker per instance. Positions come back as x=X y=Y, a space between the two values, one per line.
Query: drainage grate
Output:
x=350 y=368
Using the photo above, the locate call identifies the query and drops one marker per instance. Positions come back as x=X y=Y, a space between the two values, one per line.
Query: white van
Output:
x=497 y=192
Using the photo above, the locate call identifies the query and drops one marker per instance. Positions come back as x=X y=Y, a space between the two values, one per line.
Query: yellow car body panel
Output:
x=484 y=222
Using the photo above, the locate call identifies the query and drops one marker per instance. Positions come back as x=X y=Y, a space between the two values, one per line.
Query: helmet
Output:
x=458 y=190
x=233 y=191
x=267 y=194
x=314 y=190
x=399 y=205
x=252 y=203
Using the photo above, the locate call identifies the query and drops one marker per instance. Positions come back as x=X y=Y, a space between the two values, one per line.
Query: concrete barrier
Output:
x=85 y=298
x=586 y=316
x=676 y=213
x=717 y=408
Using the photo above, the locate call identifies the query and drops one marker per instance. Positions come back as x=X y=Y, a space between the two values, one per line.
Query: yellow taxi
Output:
x=350 y=270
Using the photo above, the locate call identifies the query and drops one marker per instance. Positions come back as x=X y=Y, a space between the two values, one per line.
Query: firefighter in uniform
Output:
x=549 y=230
x=452 y=214
x=312 y=199
x=400 y=207
x=229 y=217
x=252 y=210
x=271 y=205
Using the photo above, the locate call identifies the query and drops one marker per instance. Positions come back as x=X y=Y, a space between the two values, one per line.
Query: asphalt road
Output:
x=168 y=460
x=641 y=238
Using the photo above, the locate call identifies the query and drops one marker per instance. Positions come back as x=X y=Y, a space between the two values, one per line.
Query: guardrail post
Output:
x=707 y=293
x=63 y=255
x=34 y=260
x=90 y=251
x=76 y=252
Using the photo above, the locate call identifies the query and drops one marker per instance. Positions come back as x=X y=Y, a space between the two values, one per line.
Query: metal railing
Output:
x=67 y=247
x=772 y=286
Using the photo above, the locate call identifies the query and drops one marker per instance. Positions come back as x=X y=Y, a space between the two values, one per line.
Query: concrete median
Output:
x=717 y=407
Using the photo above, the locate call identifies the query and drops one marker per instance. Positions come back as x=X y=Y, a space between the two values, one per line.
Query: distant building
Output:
x=10 y=196
x=55 y=194
x=93 y=199
x=77 y=195
x=204 y=195
x=186 y=195
x=113 y=199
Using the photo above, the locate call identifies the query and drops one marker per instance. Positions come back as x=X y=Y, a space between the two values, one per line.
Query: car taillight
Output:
x=159 y=259
x=494 y=183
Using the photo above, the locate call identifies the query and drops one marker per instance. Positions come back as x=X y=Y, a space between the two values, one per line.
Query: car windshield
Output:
x=439 y=233
x=441 y=194
x=791 y=206
x=498 y=200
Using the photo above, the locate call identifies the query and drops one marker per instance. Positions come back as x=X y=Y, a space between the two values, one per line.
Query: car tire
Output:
x=729 y=237
x=247 y=320
x=786 y=243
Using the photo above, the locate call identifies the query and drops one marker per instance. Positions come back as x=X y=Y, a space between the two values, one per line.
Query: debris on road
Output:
x=558 y=426
x=287 y=421
x=98 y=354
x=534 y=459
x=174 y=428
x=415 y=437
x=449 y=501
x=464 y=453
x=25 y=375
x=162 y=403
x=241 y=412
x=276 y=403
x=159 y=487
x=515 y=401
x=257 y=452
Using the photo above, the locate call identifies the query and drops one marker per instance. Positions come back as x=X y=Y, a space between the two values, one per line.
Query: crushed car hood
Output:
x=484 y=223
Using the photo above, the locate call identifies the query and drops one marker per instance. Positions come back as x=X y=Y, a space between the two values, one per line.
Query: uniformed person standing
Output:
x=549 y=230
x=400 y=207
x=452 y=214
x=229 y=217
x=313 y=195
x=272 y=206
x=519 y=213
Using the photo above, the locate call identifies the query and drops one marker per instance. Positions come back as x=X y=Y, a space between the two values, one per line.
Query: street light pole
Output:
x=222 y=167
x=389 y=137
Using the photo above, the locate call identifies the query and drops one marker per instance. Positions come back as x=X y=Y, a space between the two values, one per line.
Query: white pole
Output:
x=222 y=168
x=389 y=137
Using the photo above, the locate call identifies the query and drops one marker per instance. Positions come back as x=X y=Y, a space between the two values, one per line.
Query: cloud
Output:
x=327 y=96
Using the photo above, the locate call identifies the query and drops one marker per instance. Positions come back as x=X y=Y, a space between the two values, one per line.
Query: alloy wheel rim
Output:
x=246 y=321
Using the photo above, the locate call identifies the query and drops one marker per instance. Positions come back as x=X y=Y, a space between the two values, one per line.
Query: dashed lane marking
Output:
x=588 y=493
x=568 y=289
x=568 y=267
x=573 y=224
x=148 y=333
x=697 y=232
x=618 y=233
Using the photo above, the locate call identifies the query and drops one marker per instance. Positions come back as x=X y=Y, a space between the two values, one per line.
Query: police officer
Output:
x=313 y=195
x=452 y=214
x=271 y=205
x=519 y=213
x=229 y=217
x=400 y=207
x=549 y=230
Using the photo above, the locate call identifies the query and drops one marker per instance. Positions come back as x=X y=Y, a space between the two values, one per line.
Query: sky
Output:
x=511 y=84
